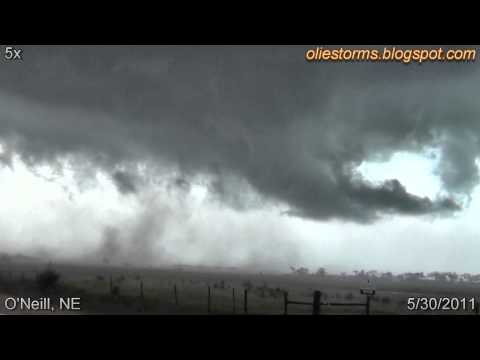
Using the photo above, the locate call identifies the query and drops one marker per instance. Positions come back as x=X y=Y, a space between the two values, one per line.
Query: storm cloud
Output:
x=124 y=182
x=261 y=124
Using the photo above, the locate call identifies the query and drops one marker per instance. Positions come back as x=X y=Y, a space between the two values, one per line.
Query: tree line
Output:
x=408 y=276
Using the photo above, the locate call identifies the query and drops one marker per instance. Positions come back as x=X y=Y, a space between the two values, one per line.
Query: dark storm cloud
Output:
x=125 y=182
x=256 y=120
x=391 y=195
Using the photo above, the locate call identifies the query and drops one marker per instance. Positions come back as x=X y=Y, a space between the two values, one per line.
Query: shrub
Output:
x=47 y=279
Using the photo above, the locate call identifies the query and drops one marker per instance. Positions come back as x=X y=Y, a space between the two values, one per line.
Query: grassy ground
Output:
x=265 y=292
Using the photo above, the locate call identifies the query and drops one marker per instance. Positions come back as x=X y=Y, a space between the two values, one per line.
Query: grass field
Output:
x=265 y=291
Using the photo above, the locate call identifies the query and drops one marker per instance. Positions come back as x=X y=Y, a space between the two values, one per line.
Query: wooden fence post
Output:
x=175 y=293
x=142 y=299
x=209 y=301
x=317 y=295
x=245 y=301
x=285 y=303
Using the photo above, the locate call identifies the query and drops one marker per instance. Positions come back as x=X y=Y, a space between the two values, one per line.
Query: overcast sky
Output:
x=239 y=156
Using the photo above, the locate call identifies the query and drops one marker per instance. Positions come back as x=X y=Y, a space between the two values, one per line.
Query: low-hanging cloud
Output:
x=125 y=182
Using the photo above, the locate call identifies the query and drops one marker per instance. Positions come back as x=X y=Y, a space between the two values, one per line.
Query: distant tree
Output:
x=321 y=272
x=47 y=279
x=412 y=276
x=387 y=275
x=438 y=276
x=452 y=276
x=302 y=271
x=442 y=276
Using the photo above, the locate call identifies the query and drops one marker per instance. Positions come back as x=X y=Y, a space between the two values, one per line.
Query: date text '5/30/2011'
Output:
x=442 y=304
